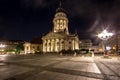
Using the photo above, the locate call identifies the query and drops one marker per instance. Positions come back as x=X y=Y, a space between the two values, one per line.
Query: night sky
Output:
x=26 y=19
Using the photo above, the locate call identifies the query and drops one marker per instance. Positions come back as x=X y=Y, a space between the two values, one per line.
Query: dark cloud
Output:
x=96 y=12
x=28 y=18
x=37 y=3
x=80 y=7
x=89 y=8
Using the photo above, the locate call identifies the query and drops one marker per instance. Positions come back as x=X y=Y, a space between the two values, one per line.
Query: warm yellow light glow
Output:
x=114 y=48
x=101 y=50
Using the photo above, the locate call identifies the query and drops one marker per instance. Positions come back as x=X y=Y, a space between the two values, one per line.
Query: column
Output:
x=43 y=45
x=47 y=46
x=59 y=44
x=62 y=44
x=52 y=45
x=73 y=44
x=55 y=45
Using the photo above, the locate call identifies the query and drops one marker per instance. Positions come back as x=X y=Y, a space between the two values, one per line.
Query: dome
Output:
x=60 y=10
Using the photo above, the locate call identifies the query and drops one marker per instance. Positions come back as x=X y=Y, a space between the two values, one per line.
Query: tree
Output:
x=19 y=48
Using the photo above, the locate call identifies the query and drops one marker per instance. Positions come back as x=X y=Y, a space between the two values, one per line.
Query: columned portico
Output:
x=53 y=45
x=73 y=44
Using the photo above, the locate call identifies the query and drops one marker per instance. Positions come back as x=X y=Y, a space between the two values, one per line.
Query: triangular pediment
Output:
x=53 y=35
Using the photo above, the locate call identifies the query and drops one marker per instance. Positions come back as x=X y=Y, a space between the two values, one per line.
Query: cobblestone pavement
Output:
x=54 y=67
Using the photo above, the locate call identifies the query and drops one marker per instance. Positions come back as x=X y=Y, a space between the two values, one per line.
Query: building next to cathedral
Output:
x=34 y=46
x=60 y=38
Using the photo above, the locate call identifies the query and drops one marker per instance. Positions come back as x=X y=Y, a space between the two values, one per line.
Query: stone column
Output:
x=44 y=46
x=47 y=46
x=63 y=44
x=57 y=24
x=52 y=45
x=59 y=44
x=55 y=45
x=73 y=44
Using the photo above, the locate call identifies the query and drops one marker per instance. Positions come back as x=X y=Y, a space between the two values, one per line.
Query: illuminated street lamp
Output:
x=2 y=45
x=104 y=35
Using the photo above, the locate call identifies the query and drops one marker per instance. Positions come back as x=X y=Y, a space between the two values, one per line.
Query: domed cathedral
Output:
x=59 y=38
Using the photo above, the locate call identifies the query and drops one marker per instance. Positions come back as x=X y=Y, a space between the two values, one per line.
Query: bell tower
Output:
x=60 y=20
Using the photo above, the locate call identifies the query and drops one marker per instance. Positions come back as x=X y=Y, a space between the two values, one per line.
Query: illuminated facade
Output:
x=9 y=46
x=34 y=46
x=86 y=44
x=60 y=38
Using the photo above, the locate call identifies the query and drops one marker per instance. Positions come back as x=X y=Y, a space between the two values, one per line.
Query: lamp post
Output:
x=105 y=35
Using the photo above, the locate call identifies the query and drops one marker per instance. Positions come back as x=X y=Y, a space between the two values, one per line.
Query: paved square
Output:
x=55 y=67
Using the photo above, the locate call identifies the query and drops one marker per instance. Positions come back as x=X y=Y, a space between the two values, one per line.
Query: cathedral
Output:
x=56 y=40
x=60 y=38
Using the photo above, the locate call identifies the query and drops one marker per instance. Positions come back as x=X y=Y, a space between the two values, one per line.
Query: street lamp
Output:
x=105 y=35
x=2 y=47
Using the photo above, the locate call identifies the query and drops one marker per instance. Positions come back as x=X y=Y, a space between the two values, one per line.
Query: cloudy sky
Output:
x=26 y=19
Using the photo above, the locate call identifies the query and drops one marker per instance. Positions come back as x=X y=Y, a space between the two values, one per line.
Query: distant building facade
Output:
x=9 y=46
x=34 y=46
x=86 y=44
x=60 y=38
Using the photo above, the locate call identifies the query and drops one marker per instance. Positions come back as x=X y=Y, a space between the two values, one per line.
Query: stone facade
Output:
x=86 y=44
x=34 y=46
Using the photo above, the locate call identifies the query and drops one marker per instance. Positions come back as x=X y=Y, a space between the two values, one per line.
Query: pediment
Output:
x=53 y=35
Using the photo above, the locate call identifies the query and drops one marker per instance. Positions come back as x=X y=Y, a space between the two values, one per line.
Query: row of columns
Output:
x=56 y=45
x=53 y=45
